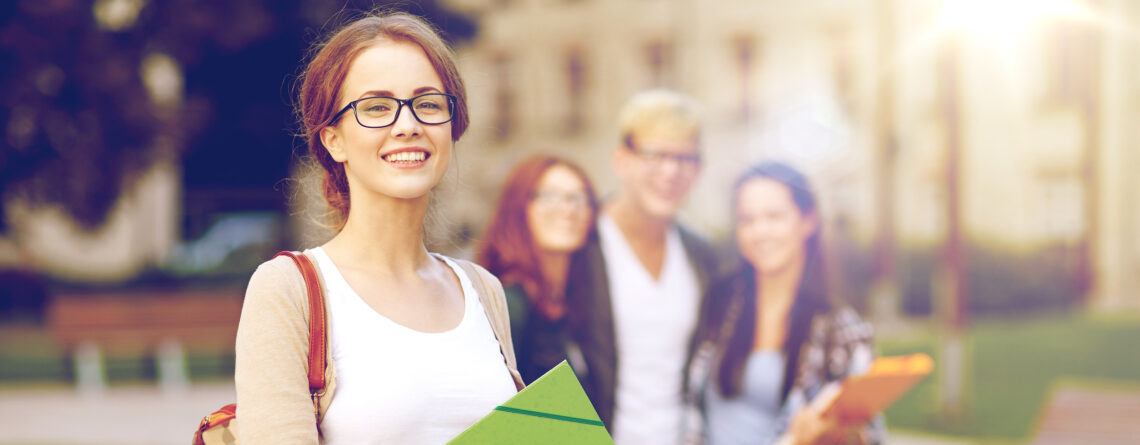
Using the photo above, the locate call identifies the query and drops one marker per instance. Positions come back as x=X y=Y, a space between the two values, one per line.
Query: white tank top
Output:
x=396 y=385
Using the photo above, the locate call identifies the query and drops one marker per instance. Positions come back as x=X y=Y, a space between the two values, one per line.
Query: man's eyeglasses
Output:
x=381 y=111
x=658 y=159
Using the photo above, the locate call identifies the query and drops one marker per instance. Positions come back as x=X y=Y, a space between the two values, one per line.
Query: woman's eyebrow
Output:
x=386 y=93
x=422 y=90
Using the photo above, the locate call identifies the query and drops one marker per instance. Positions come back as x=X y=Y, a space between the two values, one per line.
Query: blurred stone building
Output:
x=1023 y=114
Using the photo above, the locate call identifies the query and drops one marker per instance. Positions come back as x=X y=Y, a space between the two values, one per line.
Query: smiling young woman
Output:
x=773 y=333
x=418 y=350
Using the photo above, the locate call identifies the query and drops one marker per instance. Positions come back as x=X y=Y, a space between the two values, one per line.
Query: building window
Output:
x=504 y=99
x=744 y=50
x=659 y=57
x=1062 y=207
x=576 y=90
x=1072 y=52
x=843 y=65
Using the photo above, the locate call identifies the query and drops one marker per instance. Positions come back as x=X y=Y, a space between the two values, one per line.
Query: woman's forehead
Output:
x=764 y=192
x=560 y=176
x=390 y=68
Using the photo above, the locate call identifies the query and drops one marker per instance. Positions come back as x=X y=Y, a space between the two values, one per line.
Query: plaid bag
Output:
x=219 y=427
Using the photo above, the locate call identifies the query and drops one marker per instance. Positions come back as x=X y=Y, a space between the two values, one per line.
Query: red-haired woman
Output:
x=416 y=353
x=545 y=214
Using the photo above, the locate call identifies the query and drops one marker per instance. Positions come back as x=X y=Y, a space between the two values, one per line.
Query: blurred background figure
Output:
x=545 y=215
x=774 y=332
x=639 y=295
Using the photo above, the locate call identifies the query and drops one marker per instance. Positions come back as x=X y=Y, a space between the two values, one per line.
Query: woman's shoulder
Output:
x=726 y=292
x=728 y=285
x=474 y=272
x=278 y=278
x=846 y=325
x=281 y=267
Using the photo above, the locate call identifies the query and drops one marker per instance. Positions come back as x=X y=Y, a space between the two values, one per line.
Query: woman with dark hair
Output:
x=773 y=333
x=418 y=344
x=544 y=217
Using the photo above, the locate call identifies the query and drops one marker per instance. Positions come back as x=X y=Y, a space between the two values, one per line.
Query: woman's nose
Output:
x=406 y=124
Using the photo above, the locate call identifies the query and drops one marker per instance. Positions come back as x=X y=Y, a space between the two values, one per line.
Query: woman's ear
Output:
x=809 y=225
x=333 y=142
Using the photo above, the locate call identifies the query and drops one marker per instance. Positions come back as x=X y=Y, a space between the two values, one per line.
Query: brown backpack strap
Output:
x=495 y=306
x=318 y=360
x=222 y=416
x=317 y=324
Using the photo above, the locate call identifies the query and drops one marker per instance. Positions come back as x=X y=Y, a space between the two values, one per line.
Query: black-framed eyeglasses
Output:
x=657 y=159
x=382 y=111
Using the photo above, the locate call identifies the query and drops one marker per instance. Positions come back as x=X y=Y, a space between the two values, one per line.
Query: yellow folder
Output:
x=865 y=395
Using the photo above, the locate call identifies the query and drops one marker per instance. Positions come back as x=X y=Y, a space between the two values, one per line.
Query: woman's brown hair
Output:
x=324 y=75
x=508 y=248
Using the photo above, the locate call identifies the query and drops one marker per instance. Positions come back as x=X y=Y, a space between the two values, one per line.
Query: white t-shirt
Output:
x=653 y=322
x=396 y=385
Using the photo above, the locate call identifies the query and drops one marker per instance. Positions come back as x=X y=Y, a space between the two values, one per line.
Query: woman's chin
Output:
x=410 y=188
x=562 y=246
x=767 y=266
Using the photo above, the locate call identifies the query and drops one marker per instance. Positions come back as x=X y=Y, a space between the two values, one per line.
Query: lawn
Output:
x=28 y=355
x=1011 y=367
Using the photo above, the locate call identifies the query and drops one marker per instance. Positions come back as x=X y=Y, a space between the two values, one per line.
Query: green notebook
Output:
x=552 y=410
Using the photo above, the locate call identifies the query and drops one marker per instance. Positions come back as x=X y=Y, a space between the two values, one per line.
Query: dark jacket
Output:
x=540 y=343
x=591 y=316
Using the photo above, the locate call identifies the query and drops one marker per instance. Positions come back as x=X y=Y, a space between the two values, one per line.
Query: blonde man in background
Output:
x=636 y=305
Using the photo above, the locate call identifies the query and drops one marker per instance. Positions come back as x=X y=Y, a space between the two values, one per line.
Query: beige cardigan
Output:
x=274 y=404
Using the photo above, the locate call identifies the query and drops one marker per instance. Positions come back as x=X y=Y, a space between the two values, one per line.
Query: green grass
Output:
x=1011 y=366
x=28 y=355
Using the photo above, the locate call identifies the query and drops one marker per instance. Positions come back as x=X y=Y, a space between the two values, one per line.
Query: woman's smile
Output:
x=407 y=158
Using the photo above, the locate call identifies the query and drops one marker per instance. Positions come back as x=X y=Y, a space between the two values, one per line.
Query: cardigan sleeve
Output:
x=271 y=359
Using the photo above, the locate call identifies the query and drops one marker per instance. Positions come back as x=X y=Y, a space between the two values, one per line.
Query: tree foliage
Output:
x=77 y=122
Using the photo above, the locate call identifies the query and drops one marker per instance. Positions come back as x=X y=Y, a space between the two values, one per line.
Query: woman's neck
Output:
x=775 y=295
x=555 y=268
x=777 y=289
x=384 y=234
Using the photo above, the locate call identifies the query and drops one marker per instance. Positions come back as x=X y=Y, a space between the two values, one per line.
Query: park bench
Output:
x=1090 y=414
x=162 y=324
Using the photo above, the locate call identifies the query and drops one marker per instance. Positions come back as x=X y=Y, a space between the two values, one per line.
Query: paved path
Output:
x=144 y=415
x=140 y=415
x=1090 y=415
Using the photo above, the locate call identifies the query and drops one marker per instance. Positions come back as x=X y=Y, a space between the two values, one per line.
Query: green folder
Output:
x=552 y=410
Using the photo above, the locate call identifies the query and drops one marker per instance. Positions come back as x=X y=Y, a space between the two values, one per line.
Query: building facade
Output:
x=894 y=108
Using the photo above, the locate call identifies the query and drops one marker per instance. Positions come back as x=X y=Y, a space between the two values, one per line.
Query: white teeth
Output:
x=406 y=156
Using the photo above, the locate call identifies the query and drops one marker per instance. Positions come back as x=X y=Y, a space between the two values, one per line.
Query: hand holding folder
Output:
x=866 y=395
x=840 y=406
